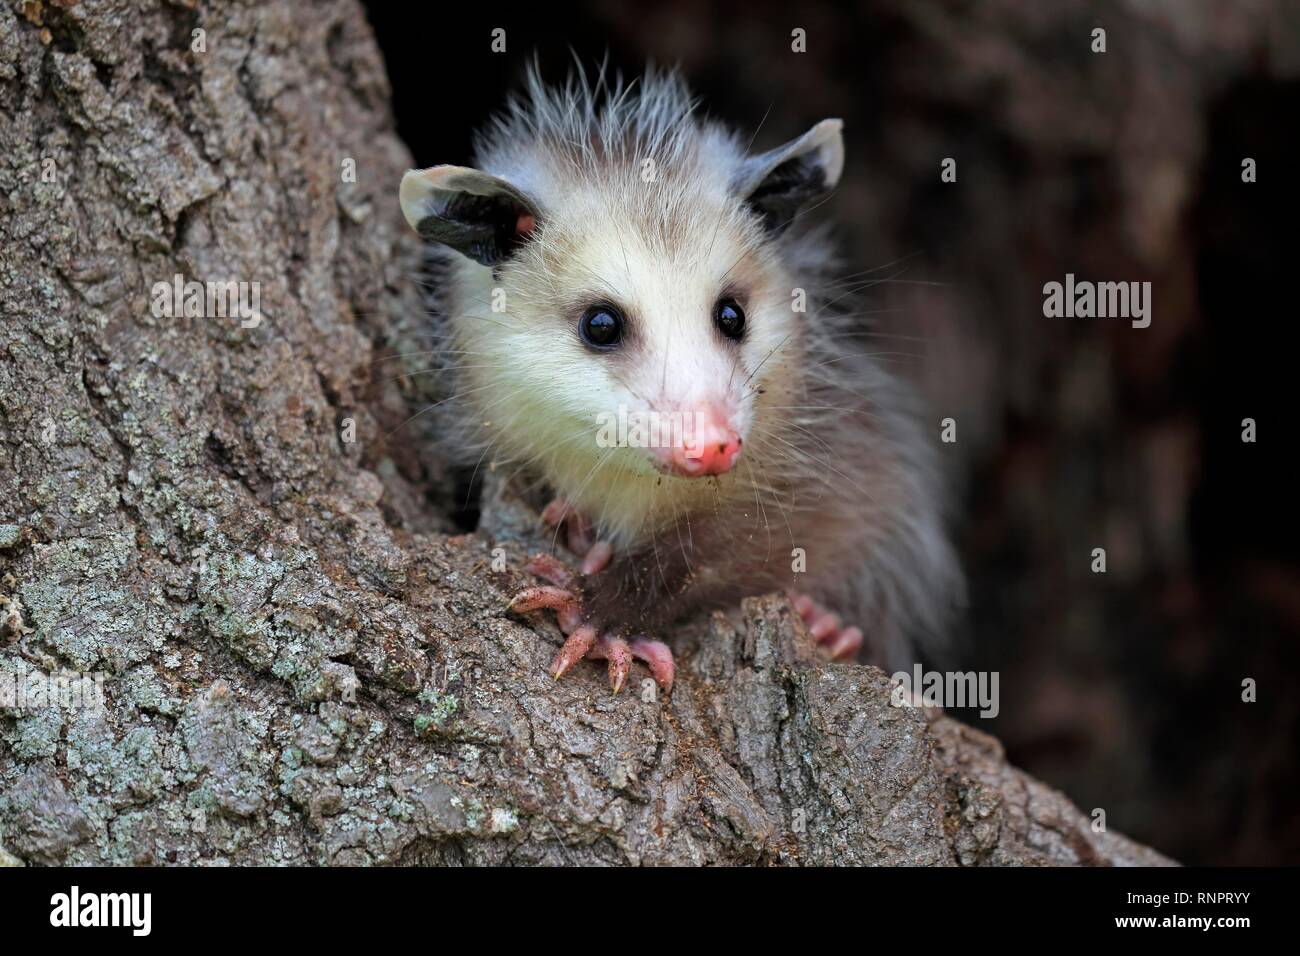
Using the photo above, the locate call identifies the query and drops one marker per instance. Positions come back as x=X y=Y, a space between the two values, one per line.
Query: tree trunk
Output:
x=229 y=521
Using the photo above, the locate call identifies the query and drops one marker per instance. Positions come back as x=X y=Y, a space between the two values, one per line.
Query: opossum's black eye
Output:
x=601 y=326
x=730 y=318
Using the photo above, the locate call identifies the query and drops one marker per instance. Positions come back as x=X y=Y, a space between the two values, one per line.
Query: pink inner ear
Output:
x=524 y=224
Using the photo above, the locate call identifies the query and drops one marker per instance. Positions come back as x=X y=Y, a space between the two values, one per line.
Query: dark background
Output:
x=1123 y=689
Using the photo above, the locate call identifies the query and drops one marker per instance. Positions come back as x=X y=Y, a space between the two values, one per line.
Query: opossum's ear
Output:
x=479 y=215
x=779 y=183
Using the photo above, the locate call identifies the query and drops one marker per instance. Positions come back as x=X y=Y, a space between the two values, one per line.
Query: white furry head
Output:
x=623 y=287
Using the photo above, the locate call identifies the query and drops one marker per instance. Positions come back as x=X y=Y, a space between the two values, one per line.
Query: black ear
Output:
x=779 y=184
x=478 y=215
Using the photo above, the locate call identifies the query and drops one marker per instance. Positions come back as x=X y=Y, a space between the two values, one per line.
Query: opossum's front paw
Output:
x=561 y=594
x=840 y=642
x=578 y=535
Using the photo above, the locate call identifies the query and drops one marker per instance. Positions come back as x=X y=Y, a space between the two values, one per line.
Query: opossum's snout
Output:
x=708 y=445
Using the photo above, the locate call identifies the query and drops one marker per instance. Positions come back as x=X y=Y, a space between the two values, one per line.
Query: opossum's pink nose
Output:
x=712 y=449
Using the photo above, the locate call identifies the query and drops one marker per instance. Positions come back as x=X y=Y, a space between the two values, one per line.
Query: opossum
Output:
x=614 y=257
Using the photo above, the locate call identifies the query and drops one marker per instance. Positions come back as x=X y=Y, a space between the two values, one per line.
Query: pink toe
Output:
x=825 y=627
x=597 y=558
x=847 y=644
x=559 y=514
x=555 y=512
x=542 y=596
x=580 y=540
x=574 y=649
x=619 y=655
x=551 y=569
x=569 y=618
x=658 y=658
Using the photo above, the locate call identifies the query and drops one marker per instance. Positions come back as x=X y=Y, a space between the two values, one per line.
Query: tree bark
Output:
x=236 y=526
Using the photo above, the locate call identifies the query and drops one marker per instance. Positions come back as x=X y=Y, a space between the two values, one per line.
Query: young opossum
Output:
x=615 y=257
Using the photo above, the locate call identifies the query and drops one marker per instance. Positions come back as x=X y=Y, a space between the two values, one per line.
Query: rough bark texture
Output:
x=301 y=664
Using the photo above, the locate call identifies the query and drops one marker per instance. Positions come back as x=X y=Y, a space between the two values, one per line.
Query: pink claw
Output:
x=559 y=594
x=574 y=650
x=542 y=596
x=658 y=658
x=552 y=569
x=619 y=655
x=805 y=607
x=847 y=644
x=827 y=629
x=560 y=514
x=555 y=512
